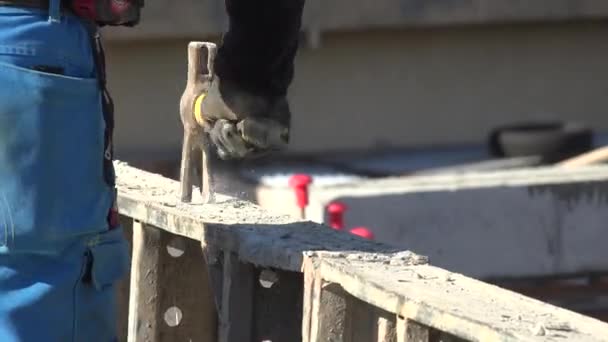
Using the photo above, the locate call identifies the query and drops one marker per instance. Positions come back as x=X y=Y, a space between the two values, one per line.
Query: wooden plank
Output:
x=170 y=299
x=143 y=302
x=254 y=234
x=214 y=261
x=410 y=331
x=308 y=298
x=440 y=336
x=332 y=314
x=359 y=321
x=401 y=329
x=598 y=155
x=184 y=292
x=365 y=322
x=328 y=312
x=315 y=312
x=123 y=287
x=342 y=317
x=281 y=302
x=236 y=313
x=387 y=329
x=464 y=307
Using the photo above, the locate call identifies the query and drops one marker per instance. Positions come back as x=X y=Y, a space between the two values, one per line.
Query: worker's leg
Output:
x=68 y=296
x=58 y=257
x=257 y=53
x=52 y=186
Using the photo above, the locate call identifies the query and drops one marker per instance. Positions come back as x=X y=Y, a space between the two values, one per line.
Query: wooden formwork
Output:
x=232 y=272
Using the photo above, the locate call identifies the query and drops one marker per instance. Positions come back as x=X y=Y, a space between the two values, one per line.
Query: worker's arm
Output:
x=258 y=51
x=254 y=68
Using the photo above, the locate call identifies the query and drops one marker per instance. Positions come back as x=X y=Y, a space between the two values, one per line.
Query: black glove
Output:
x=246 y=102
x=242 y=125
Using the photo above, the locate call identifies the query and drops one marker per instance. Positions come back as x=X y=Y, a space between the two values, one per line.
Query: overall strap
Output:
x=55 y=11
x=107 y=103
x=108 y=117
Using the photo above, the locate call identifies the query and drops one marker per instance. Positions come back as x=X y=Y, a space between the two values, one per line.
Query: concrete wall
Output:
x=536 y=222
x=400 y=87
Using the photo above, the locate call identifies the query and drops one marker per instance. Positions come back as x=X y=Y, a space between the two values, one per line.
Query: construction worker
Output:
x=61 y=248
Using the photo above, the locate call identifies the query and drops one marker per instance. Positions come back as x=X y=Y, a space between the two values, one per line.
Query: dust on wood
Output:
x=456 y=304
x=255 y=235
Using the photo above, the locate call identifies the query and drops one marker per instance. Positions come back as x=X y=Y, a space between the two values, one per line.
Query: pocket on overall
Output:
x=51 y=153
x=107 y=262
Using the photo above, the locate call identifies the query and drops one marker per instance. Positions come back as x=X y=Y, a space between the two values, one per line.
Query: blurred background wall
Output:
x=381 y=73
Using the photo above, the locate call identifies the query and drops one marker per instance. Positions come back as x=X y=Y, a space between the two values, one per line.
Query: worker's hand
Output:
x=243 y=125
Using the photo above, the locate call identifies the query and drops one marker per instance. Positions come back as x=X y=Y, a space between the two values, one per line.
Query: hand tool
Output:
x=201 y=56
x=210 y=124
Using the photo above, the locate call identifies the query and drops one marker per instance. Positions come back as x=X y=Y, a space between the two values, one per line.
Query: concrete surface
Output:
x=536 y=222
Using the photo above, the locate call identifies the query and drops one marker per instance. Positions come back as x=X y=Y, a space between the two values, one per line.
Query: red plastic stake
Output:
x=300 y=183
x=336 y=215
x=363 y=232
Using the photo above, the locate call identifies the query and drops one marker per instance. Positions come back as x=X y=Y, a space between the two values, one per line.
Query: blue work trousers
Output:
x=59 y=257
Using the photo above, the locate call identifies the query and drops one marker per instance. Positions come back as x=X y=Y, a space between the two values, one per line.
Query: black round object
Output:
x=553 y=141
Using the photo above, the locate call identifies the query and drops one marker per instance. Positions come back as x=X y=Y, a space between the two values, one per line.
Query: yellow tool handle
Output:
x=198 y=110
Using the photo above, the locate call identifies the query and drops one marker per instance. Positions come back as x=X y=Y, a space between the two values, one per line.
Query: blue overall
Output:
x=59 y=258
